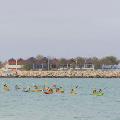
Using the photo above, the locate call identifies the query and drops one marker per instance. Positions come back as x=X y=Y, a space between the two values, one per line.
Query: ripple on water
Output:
x=83 y=117
x=7 y=116
x=83 y=106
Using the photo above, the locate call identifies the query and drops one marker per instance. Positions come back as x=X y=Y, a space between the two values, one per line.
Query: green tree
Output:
x=0 y=64
x=39 y=57
x=28 y=66
x=109 y=60
x=62 y=62
x=72 y=63
x=80 y=60
x=96 y=62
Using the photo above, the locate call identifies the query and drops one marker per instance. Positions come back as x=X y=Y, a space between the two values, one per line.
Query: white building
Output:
x=14 y=65
x=111 y=67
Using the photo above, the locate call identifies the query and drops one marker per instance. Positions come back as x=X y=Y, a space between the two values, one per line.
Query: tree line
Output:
x=72 y=62
x=78 y=61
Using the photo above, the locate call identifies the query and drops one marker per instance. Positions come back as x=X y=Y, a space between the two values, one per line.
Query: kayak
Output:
x=59 y=91
x=6 y=89
x=26 y=90
x=73 y=93
x=47 y=93
x=36 y=90
x=62 y=91
x=98 y=94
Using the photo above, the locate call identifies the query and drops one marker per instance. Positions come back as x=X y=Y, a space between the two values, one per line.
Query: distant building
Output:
x=46 y=64
x=111 y=67
x=40 y=64
x=13 y=64
x=73 y=65
x=88 y=65
x=54 y=64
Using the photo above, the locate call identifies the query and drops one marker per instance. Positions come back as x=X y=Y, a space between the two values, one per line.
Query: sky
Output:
x=59 y=28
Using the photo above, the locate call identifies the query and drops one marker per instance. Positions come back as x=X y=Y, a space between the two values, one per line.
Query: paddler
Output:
x=94 y=91
x=100 y=90
x=35 y=86
x=17 y=87
x=6 y=87
x=73 y=91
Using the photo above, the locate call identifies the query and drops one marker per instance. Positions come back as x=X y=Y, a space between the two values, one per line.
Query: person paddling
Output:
x=100 y=90
x=6 y=87
x=73 y=91
x=94 y=91
x=17 y=87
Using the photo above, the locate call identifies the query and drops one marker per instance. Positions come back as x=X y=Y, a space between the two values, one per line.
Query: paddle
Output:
x=105 y=88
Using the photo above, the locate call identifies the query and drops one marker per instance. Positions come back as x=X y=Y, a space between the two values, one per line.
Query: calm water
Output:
x=17 y=105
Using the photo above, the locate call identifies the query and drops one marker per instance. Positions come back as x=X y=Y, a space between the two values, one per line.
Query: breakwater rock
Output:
x=70 y=74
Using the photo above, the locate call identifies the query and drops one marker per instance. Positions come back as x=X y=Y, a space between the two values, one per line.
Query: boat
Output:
x=98 y=94
x=26 y=90
x=50 y=91
x=73 y=92
x=36 y=90
x=47 y=93
x=62 y=91
x=6 y=87
x=59 y=91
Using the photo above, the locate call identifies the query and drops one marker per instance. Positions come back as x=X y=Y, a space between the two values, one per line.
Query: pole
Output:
x=33 y=66
x=16 y=65
x=48 y=64
x=76 y=63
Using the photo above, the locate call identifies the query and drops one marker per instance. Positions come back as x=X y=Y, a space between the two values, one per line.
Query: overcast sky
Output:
x=60 y=28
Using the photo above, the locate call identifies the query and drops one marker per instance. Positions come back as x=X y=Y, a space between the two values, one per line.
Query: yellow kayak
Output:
x=36 y=90
x=73 y=93
x=6 y=89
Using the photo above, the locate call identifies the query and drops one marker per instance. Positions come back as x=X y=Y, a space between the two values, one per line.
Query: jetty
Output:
x=63 y=74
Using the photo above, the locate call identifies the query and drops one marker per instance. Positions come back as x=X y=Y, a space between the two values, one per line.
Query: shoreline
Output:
x=60 y=77
x=63 y=74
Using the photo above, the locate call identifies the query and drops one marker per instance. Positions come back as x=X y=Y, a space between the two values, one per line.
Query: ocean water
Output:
x=18 y=105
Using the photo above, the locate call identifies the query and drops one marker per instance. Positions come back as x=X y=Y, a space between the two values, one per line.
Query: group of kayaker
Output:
x=96 y=91
x=50 y=90
x=36 y=88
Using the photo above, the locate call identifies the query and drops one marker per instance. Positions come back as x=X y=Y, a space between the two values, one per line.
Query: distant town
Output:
x=14 y=67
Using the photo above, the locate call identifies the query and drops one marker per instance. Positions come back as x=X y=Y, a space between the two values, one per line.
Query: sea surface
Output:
x=19 y=105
